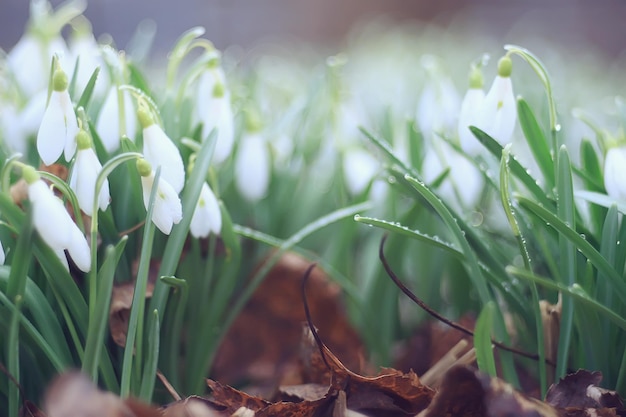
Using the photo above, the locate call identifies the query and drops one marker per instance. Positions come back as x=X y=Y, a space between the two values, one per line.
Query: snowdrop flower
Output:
x=464 y=183
x=207 y=216
x=499 y=111
x=58 y=129
x=470 y=115
x=29 y=60
x=252 y=163
x=615 y=172
x=85 y=51
x=86 y=169
x=167 y=209
x=54 y=224
x=159 y=150
x=439 y=102
x=359 y=168
x=11 y=131
x=110 y=116
x=215 y=110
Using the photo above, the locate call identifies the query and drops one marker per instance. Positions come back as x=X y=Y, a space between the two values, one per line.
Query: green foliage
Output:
x=342 y=154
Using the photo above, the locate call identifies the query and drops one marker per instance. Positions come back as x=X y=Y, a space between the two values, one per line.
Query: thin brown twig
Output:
x=436 y=315
x=307 y=313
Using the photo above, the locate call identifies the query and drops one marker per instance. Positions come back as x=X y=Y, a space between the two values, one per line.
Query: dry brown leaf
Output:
x=393 y=393
x=262 y=345
x=579 y=392
x=122 y=299
x=466 y=392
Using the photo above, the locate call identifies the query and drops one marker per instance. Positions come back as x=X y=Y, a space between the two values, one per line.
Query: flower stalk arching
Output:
x=107 y=169
x=184 y=45
x=542 y=73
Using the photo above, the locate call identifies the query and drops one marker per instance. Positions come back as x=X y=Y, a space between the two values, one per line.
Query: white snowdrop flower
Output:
x=215 y=111
x=31 y=115
x=159 y=150
x=85 y=51
x=252 y=166
x=615 y=172
x=58 y=129
x=463 y=186
x=84 y=174
x=29 y=61
x=11 y=132
x=499 y=111
x=470 y=115
x=109 y=119
x=359 y=168
x=438 y=107
x=207 y=216
x=167 y=209
x=2 y=255
x=53 y=222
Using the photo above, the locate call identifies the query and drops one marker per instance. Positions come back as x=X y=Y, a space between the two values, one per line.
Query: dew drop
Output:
x=557 y=127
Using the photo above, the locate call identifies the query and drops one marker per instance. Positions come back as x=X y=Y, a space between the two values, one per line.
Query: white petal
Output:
x=206 y=216
x=499 y=111
x=31 y=116
x=464 y=183
x=71 y=125
x=159 y=150
x=108 y=124
x=438 y=107
x=11 y=130
x=52 y=131
x=470 y=115
x=167 y=206
x=25 y=61
x=252 y=167
x=2 y=255
x=83 y=181
x=86 y=48
x=359 y=167
x=615 y=173
x=50 y=218
x=221 y=117
x=79 y=249
x=216 y=112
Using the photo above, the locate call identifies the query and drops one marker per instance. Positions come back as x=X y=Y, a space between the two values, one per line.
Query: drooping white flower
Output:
x=29 y=61
x=499 y=111
x=54 y=224
x=252 y=166
x=58 y=129
x=359 y=168
x=167 y=209
x=11 y=132
x=85 y=51
x=86 y=169
x=439 y=102
x=159 y=150
x=207 y=216
x=214 y=110
x=463 y=186
x=109 y=119
x=615 y=172
x=438 y=108
x=470 y=115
